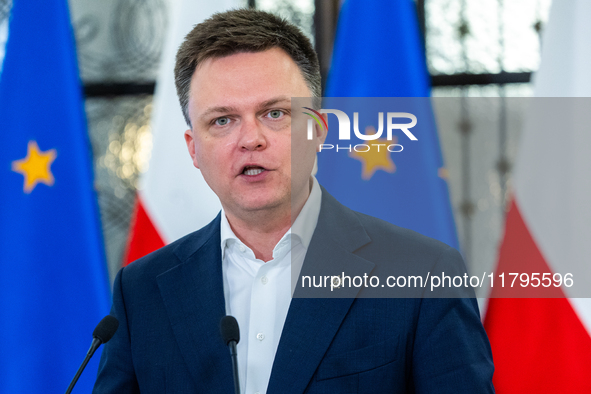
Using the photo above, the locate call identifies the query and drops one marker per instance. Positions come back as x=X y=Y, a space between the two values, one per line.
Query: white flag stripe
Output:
x=566 y=51
x=174 y=193
x=553 y=171
x=553 y=183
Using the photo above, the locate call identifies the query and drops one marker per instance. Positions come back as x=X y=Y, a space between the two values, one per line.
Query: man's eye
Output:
x=222 y=121
x=275 y=114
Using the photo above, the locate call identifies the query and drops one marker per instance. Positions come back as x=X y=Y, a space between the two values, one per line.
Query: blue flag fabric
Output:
x=378 y=53
x=54 y=287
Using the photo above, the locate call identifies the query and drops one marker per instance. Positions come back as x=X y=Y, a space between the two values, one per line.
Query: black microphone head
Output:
x=229 y=329
x=106 y=328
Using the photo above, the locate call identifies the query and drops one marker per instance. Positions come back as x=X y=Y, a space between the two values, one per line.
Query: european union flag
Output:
x=378 y=53
x=53 y=279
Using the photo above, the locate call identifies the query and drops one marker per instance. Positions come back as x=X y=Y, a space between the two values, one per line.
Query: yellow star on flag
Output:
x=36 y=167
x=376 y=158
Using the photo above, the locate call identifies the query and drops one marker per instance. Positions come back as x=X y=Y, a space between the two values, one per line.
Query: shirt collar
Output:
x=302 y=229
x=305 y=223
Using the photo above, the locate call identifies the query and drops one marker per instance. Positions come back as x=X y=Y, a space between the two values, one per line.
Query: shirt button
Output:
x=242 y=248
x=264 y=280
x=260 y=336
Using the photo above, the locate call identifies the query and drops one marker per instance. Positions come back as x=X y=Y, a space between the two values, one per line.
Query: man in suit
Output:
x=236 y=74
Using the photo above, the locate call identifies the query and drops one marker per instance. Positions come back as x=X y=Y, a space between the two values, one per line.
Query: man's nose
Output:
x=252 y=135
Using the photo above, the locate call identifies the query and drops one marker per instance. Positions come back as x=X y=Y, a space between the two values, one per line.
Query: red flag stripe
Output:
x=539 y=345
x=143 y=236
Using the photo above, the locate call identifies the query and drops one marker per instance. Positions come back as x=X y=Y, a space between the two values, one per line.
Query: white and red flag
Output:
x=173 y=199
x=543 y=345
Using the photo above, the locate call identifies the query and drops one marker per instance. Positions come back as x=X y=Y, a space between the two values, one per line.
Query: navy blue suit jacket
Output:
x=169 y=305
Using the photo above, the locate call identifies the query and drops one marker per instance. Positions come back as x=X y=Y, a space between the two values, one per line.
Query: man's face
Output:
x=240 y=112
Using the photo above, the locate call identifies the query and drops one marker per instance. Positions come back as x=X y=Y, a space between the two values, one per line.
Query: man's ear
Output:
x=190 y=140
x=321 y=131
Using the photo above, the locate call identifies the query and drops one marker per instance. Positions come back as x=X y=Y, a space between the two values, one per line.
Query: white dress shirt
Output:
x=258 y=294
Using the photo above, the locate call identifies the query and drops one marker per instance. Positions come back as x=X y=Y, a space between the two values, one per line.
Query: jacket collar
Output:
x=312 y=323
x=194 y=299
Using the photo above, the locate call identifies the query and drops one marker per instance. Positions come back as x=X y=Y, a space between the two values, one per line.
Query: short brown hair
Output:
x=242 y=30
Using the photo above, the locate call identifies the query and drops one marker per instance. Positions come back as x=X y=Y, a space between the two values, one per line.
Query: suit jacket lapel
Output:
x=194 y=299
x=312 y=323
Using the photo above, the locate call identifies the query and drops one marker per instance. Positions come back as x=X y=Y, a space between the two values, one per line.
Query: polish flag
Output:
x=173 y=198
x=544 y=345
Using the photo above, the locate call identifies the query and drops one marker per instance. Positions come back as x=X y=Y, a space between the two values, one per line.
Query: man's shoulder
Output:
x=381 y=234
x=389 y=236
x=173 y=254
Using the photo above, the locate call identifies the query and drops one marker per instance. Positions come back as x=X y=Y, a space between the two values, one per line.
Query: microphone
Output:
x=103 y=332
x=231 y=336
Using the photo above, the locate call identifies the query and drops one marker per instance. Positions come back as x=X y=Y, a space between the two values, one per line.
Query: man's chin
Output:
x=265 y=206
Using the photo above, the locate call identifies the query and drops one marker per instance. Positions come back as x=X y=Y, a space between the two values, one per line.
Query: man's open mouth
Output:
x=252 y=170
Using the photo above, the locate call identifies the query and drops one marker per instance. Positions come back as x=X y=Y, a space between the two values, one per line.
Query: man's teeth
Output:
x=253 y=171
